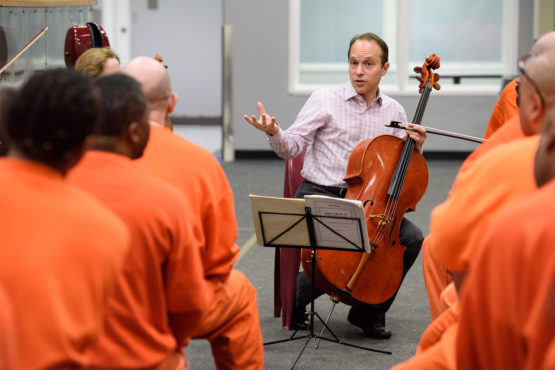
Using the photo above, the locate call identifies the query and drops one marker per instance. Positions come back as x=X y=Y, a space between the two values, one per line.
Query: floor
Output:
x=407 y=318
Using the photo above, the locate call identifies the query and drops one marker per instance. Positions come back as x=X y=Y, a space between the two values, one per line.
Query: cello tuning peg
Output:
x=436 y=77
x=417 y=69
x=437 y=86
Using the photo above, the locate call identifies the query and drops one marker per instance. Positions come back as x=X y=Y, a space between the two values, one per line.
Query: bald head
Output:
x=541 y=72
x=544 y=44
x=154 y=78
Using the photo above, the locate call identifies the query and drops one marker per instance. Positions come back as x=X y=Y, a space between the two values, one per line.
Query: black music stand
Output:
x=310 y=221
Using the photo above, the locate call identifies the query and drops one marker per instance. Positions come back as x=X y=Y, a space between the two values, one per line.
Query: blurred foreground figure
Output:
x=61 y=248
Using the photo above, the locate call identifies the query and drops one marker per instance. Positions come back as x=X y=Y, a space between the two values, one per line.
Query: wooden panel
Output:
x=45 y=3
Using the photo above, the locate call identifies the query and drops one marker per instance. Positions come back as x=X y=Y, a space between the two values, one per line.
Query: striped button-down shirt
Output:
x=330 y=125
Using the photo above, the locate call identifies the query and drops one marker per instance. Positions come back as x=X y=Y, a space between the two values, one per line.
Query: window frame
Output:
x=397 y=33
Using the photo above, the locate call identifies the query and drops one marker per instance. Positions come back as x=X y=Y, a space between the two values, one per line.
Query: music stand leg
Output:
x=326 y=322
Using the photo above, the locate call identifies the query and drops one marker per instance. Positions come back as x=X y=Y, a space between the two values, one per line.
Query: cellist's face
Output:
x=366 y=69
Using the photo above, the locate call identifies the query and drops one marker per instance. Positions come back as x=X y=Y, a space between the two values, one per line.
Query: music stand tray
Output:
x=279 y=223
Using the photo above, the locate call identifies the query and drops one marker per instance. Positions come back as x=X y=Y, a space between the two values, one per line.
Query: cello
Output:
x=389 y=177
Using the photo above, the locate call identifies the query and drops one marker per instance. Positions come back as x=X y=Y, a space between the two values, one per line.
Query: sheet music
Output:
x=350 y=229
x=278 y=214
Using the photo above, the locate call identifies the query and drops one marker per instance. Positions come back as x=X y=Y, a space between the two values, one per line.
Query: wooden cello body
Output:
x=389 y=177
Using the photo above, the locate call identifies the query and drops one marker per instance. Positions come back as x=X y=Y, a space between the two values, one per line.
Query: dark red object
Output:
x=81 y=38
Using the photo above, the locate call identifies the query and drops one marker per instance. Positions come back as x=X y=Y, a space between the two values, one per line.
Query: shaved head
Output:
x=153 y=77
x=544 y=43
x=542 y=73
x=542 y=70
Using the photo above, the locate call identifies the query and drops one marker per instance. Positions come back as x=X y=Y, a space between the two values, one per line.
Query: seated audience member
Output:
x=97 y=62
x=436 y=276
x=510 y=291
x=61 y=248
x=505 y=108
x=496 y=181
x=507 y=104
x=162 y=277
x=231 y=323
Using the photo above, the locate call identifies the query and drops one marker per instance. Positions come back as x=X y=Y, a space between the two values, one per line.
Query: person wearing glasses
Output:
x=511 y=287
x=495 y=182
x=439 y=287
x=506 y=106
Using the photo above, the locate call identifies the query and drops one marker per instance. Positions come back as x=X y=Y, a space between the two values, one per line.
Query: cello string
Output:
x=403 y=163
x=406 y=154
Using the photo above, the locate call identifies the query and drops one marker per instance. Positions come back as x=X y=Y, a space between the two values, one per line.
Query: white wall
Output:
x=260 y=73
x=187 y=34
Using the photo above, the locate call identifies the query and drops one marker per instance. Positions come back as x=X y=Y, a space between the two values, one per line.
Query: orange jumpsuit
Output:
x=494 y=182
x=7 y=333
x=231 y=323
x=163 y=271
x=510 y=291
x=61 y=253
x=505 y=108
x=436 y=275
x=441 y=355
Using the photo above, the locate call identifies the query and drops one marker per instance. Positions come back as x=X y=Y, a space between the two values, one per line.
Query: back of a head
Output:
x=123 y=102
x=51 y=114
x=153 y=77
x=92 y=62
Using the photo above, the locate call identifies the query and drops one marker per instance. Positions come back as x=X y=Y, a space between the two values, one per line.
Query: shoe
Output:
x=374 y=329
x=299 y=324
x=299 y=319
x=377 y=331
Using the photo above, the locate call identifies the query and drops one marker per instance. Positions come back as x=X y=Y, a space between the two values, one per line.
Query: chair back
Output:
x=293 y=178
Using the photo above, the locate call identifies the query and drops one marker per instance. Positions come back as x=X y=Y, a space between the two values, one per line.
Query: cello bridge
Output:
x=383 y=220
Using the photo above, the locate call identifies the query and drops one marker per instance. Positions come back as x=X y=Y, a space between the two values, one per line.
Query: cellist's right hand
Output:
x=265 y=123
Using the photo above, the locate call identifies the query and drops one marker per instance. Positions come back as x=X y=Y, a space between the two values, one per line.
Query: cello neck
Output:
x=419 y=114
x=398 y=177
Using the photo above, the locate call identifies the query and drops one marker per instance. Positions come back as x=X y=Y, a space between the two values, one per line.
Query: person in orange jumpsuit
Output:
x=510 y=291
x=162 y=279
x=61 y=248
x=505 y=108
x=436 y=276
x=439 y=286
x=231 y=323
x=495 y=182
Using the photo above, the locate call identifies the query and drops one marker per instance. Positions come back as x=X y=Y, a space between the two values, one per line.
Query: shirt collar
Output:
x=350 y=93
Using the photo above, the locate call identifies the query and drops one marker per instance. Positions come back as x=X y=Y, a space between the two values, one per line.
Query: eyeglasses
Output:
x=522 y=70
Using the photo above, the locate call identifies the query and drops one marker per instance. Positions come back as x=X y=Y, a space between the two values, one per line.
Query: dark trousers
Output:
x=367 y=314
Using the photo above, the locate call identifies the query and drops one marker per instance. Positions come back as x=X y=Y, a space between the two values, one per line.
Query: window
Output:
x=475 y=39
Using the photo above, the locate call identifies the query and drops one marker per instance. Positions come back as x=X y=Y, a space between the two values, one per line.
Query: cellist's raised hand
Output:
x=265 y=123
x=418 y=134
